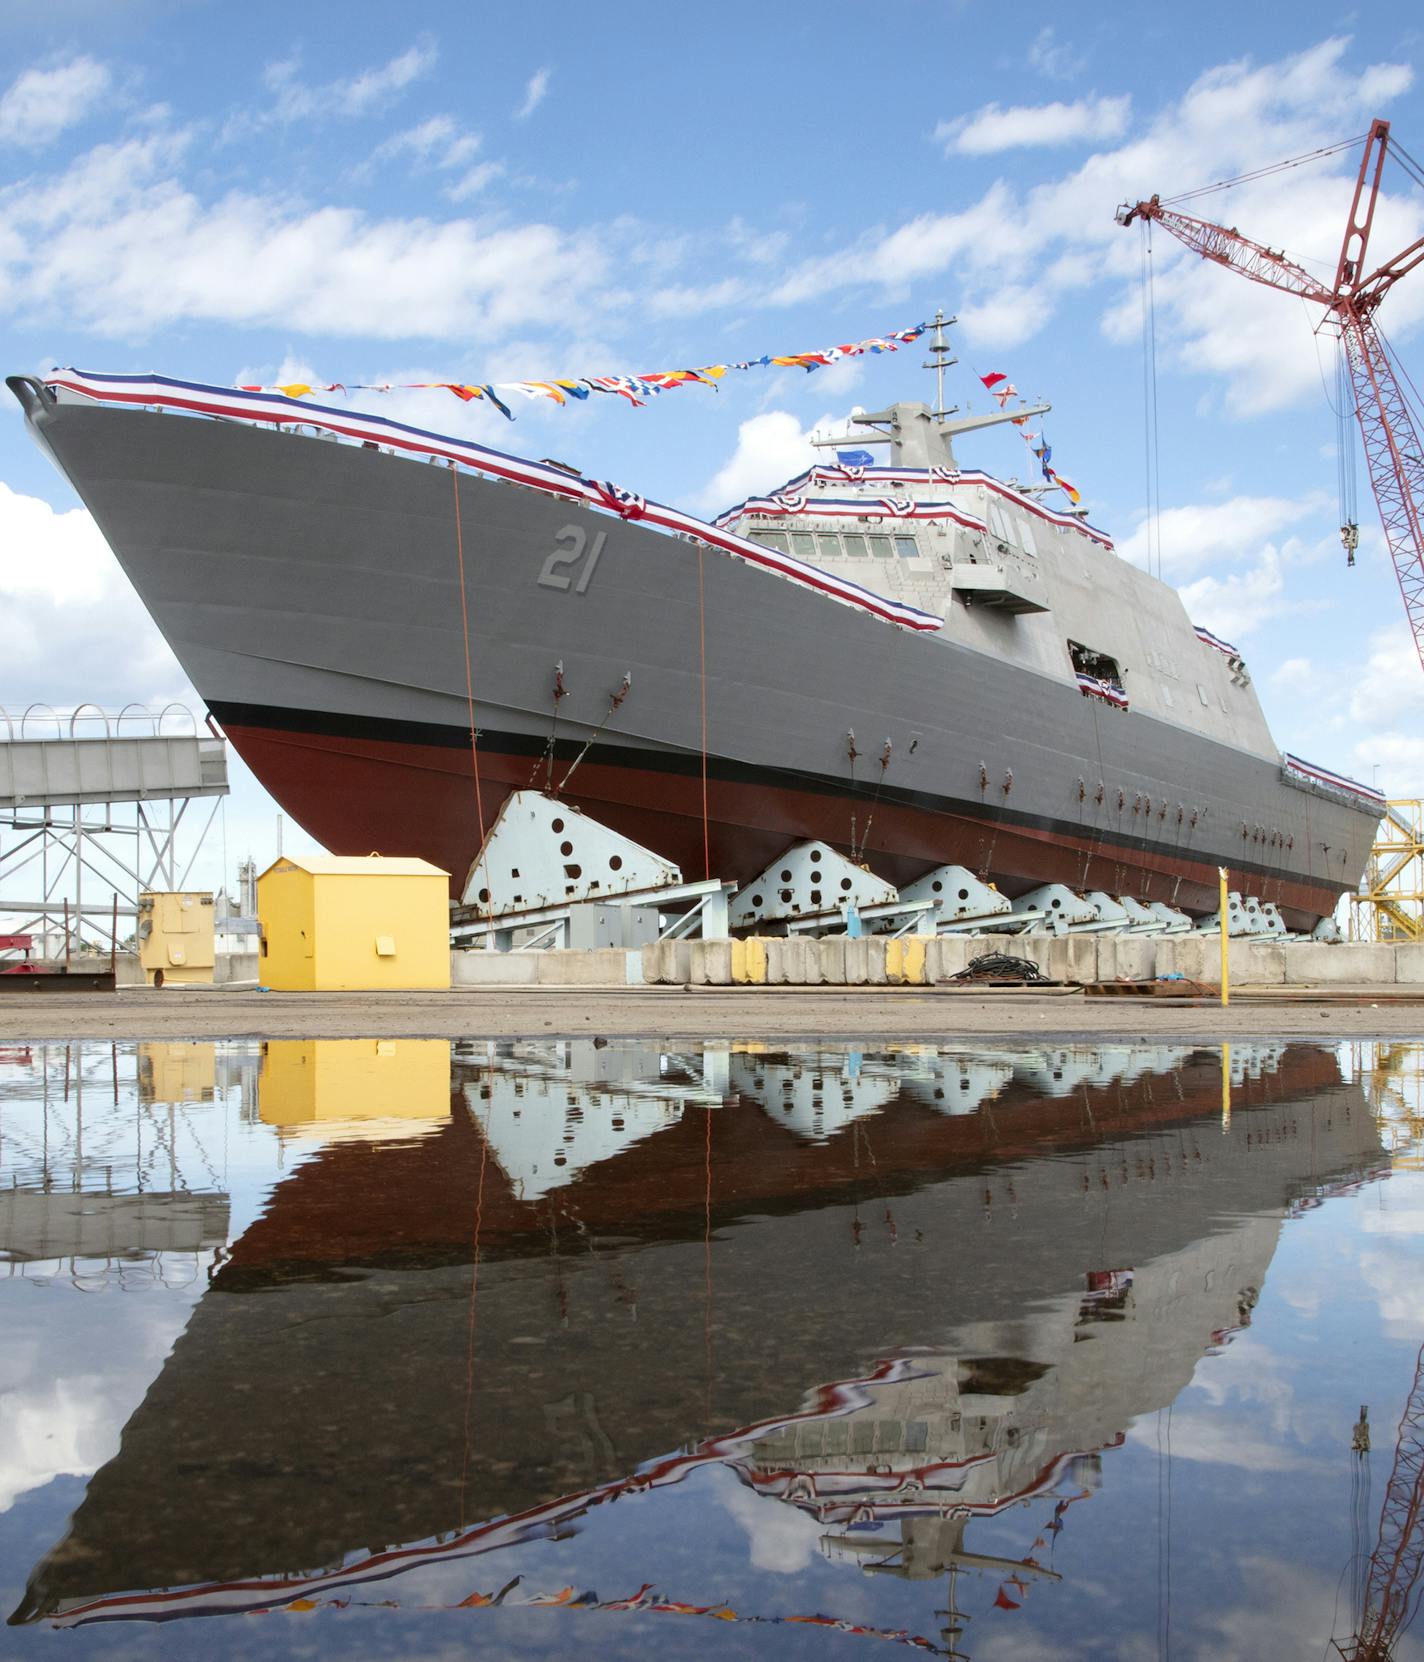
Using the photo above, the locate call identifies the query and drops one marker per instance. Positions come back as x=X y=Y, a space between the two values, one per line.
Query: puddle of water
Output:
x=351 y=1349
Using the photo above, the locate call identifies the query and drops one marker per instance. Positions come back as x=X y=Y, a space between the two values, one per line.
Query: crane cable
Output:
x=1151 y=451
x=1265 y=172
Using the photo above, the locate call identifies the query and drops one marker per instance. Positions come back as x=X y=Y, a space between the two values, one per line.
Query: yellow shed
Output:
x=337 y=924
x=175 y=937
x=382 y=1085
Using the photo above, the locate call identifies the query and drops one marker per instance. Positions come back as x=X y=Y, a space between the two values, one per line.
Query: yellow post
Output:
x=1225 y=1088
x=1225 y=948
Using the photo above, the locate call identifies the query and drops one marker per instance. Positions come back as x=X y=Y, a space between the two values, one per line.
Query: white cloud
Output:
x=993 y=128
x=62 y=1411
x=1202 y=534
x=1364 y=708
x=780 y=1538
x=438 y=141
x=534 y=93
x=771 y=448
x=75 y=629
x=473 y=180
x=40 y=104
x=1054 y=58
x=295 y=99
x=1211 y=1439
x=1240 y=602
x=1060 y=234
x=118 y=245
x=687 y=299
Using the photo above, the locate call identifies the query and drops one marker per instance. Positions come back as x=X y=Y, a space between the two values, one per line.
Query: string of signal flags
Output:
x=636 y=389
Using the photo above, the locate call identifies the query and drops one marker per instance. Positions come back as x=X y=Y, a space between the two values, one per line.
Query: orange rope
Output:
x=470 y=1337
x=469 y=669
x=707 y=1270
x=702 y=649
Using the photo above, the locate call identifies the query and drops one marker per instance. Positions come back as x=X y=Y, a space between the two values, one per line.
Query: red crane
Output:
x=1393 y=448
x=1391 y=1594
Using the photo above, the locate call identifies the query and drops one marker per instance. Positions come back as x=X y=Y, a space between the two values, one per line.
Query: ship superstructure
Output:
x=910 y=661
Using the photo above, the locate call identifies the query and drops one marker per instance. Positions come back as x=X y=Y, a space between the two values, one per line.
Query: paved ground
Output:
x=714 y=1012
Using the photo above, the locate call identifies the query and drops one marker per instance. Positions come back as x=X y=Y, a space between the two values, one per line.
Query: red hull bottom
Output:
x=361 y=795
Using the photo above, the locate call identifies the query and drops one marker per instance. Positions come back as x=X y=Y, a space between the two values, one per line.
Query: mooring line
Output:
x=470 y=1332
x=702 y=651
x=469 y=665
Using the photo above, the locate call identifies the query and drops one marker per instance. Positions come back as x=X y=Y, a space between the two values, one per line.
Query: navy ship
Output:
x=910 y=660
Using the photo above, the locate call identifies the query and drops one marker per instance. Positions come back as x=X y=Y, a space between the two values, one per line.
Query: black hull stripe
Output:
x=687 y=764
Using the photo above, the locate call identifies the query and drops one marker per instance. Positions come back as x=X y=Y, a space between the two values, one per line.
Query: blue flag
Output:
x=855 y=458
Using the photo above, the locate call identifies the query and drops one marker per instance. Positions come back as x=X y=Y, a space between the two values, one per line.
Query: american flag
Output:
x=627 y=504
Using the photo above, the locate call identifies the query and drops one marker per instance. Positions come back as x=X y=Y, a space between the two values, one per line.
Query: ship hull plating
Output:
x=311 y=590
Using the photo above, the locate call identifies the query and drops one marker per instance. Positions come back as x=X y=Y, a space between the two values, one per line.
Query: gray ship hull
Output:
x=312 y=592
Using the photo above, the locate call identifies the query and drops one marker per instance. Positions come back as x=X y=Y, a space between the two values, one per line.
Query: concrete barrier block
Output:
x=906 y=961
x=605 y=966
x=857 y=962
x=1035 y=948
x=947 y=955
x=875 y=971
x=710 y=963
x=914 y=965
x=1195 y=957
x=1259 y=964
x=1409 y=961
x=831 y=961
x=1352 y=963
x=493 y=969
x=1127 y=958
x=1073 y=958
x=667 y=963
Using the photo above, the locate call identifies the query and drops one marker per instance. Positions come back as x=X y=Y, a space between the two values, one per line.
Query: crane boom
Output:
x=1387 y=424
x=1391 y=1593
x=1395 y=460
x=1231 y=249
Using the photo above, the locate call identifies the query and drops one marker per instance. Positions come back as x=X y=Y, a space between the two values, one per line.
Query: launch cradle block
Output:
x=809 y=878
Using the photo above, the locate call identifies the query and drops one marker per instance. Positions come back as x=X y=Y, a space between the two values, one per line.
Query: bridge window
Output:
x=855 y=546
x=830 y=545
x=907 y=548
x=881 y=547
x=771 y=539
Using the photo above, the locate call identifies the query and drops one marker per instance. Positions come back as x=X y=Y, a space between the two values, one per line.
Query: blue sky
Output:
x=357 y=194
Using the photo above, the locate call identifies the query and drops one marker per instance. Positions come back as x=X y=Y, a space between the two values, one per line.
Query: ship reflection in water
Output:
x=813 y=1344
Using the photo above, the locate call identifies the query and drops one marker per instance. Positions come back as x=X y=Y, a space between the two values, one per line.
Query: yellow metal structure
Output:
x=1390 y=904
x=1393 y=1077
x=175 y=938
x=1225 y=938
x=176 y=1073
x=332 y=924
x=382 y=1084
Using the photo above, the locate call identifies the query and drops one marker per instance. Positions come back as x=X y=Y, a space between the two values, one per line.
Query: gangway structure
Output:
x=95 y=807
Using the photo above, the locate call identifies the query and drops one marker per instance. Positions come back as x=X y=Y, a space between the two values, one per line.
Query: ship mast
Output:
x=920 y=437
x=943 y=359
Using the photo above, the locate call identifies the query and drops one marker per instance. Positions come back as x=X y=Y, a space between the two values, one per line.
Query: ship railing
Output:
x=92 y=721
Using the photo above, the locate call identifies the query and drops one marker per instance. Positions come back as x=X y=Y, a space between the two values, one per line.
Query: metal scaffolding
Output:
x=1390 y=904
x=95 y=807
